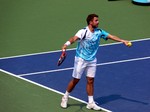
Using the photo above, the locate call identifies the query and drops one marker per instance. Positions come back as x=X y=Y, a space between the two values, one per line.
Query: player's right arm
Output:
x=69 y=42
x=78 y=36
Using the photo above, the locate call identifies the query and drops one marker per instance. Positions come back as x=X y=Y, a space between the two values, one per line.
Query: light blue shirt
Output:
x=88 y=43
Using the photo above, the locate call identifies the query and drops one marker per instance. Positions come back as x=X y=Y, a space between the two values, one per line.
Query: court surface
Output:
x=122 y=78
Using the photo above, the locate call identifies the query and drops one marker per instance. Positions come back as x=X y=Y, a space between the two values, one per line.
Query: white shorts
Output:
x=80 y=66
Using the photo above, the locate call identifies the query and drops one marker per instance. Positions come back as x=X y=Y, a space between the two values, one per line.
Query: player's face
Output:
x=95 y=22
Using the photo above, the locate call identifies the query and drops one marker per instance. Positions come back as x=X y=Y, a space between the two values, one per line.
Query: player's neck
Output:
x=91 y=28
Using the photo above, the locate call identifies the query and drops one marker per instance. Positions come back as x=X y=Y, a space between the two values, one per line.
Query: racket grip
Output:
x=63 y=53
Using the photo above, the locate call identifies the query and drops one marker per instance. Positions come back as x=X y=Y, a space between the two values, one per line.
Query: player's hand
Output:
x=63 y=53
x=127 y=43
x=62 y=58
x=64 y=47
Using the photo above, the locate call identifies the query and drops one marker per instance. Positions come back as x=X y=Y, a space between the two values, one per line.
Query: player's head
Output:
x=92 y=19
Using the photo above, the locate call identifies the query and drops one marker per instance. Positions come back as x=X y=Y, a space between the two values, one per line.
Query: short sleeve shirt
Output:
x=88 y=42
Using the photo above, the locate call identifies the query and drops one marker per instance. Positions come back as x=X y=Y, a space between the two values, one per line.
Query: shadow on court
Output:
x=113 y=97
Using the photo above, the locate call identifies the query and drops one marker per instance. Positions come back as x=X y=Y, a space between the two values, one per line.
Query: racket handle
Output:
x=63 y=50
x=63 y=53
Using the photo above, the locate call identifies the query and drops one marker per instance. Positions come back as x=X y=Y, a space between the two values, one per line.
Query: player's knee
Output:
x=90 y=80
x=75 y=81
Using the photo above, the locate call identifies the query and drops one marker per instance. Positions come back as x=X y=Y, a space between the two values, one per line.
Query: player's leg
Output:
x=90 y=86
x=90 y=75
x=79 y=67
x=90 y=71
x=90 y=91
x=72 y=84
x=70 y=87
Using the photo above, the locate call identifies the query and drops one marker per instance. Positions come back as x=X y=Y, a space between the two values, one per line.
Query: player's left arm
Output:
x=116 y=38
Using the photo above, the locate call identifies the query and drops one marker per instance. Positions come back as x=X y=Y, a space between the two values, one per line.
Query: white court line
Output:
x=101 y=64
x=138 y=40
x=48 y=88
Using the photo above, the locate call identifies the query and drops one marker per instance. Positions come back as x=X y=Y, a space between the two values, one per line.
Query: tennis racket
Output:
x=62 y=58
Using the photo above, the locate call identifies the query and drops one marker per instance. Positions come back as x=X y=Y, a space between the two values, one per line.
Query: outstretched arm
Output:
x=115 y=38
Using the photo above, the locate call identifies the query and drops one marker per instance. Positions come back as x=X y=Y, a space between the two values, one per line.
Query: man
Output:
x=85 y=60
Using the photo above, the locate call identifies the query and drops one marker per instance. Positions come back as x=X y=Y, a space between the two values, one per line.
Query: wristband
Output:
x=67 y=43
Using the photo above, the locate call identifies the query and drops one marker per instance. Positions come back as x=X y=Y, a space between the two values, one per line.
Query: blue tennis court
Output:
x=122 y=82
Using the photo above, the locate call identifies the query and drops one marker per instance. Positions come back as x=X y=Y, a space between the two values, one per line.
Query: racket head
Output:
x=62 y=58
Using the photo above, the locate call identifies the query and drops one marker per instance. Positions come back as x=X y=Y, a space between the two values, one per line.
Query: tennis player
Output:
x=88 y=40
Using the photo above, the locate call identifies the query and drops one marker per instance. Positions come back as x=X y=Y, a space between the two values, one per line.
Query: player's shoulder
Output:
x=82 y=30
x=99 y=29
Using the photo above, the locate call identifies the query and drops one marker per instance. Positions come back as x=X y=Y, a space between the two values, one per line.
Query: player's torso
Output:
x=92 y=39
x=88 y=46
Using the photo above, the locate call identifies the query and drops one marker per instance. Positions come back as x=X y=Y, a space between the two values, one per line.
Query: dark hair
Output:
x=90 y=18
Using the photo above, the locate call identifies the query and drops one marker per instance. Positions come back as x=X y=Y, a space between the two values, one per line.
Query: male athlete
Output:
x=88 y=40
